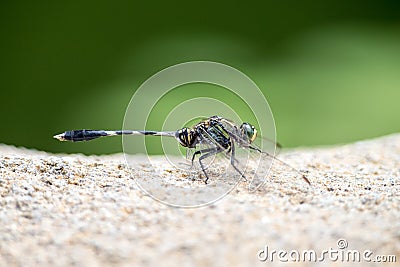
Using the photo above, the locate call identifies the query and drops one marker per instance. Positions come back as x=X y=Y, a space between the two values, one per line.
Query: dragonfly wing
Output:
x=260 y=165
x=265 y=143
x=213 y=160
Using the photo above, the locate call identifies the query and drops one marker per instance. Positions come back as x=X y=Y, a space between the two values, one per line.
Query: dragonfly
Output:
x=221 y=135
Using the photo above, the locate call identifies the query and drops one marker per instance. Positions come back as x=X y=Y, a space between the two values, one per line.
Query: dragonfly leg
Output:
x=209 y=154
x=201 y=152
x=233 y=160
x=228 y=152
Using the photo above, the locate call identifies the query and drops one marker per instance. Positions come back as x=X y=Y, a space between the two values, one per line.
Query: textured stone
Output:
x=58 y=210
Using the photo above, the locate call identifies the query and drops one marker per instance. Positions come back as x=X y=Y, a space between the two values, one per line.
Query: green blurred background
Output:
x=329 y=69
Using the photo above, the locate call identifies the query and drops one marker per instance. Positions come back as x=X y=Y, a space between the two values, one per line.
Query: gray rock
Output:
x=58 y=210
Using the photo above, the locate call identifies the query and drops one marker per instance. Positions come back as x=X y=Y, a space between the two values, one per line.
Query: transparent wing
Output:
x=267 y=172
x=269 y=145
x=212 y=162
x=261 y=166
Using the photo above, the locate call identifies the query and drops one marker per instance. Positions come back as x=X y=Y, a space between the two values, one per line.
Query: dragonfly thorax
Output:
x=187 y=137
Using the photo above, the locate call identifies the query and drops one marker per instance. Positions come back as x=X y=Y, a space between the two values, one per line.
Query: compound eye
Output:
x=249 y=131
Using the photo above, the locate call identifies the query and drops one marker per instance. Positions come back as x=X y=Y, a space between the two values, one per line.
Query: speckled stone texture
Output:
x=63 y=210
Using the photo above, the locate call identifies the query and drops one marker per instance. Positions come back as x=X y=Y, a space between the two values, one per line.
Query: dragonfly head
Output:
x=186 y=137
x=249 y=131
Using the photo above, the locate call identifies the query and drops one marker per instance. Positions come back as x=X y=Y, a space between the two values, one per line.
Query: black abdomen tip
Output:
x=83 y=135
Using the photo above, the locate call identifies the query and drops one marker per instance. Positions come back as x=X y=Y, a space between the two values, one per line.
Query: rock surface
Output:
x=59 y=210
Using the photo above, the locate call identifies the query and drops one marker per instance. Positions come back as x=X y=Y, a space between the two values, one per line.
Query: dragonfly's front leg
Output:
x=233 y=160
